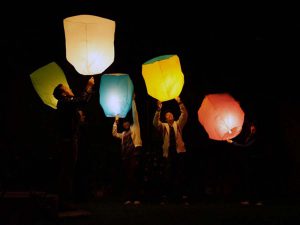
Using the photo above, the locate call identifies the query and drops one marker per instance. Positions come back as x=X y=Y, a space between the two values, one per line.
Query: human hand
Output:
x=90 y=84
x=91 y=81
x=159 y=105
x=229 y=141
x=178 y=99
x=117 y=119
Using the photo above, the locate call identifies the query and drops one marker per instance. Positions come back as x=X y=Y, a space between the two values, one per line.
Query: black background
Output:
x=251 y=53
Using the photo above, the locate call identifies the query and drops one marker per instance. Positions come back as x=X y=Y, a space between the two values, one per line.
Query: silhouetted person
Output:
x=250 y=161
x=131 y=145
x=173 y=152
x=82 y=187
x=70 y=112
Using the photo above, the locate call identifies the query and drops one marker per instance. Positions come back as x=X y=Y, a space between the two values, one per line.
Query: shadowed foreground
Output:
x=33 y=210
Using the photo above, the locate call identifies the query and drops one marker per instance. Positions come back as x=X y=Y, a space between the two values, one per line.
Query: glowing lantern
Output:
x=45 y=79
x=89 y=43
x=221 y=116
x=163 y=77
x=116 y=92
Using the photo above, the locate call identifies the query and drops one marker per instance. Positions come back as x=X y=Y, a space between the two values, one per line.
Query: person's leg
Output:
x=182 y=178
x=66 y=175
x=127 y=181
x=165 y=181
x=257 y=180
x=246 y=183
x=136 y=179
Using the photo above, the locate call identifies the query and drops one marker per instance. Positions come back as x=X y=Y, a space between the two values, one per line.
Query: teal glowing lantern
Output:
x=116 y=92
x=45 y=79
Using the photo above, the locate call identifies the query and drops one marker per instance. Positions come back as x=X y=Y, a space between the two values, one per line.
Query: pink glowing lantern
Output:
x=221 y=116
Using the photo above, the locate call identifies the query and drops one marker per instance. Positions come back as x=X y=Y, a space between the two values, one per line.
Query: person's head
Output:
x=61 y=91
x=169 y=117
x=126 y=124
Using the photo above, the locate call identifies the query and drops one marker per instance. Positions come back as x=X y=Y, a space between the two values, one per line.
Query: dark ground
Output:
x=109 y=211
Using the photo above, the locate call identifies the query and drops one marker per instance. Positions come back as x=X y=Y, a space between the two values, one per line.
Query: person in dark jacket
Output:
x=70 y=112
x=250 y=164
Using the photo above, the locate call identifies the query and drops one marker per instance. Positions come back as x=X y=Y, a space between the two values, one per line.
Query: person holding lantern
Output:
x=173 y=151
x=70 y=112
x=250 y=164
x=131 y=145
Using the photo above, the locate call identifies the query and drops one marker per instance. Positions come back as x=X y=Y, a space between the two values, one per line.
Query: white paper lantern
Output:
x=89 y=43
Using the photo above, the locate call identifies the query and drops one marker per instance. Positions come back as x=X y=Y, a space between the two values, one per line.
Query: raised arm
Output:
x=136 y=135
x=135 y=115
x=115 y=128
x=183 y=113
x=244 y=145
x=90 y=84
x=156 y=120
x=82 y=99
x=249 y=140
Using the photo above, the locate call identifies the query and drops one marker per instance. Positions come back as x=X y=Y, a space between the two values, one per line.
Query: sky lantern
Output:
x=163 y=77
x=116 y=92
x=221 y=116
x=45 y=79
x=89 y=43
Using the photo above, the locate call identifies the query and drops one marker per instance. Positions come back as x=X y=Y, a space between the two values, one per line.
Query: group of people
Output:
x=71 y=110
x=173 y=152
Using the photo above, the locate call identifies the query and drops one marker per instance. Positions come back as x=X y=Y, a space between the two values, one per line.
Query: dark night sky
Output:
x=255 y=58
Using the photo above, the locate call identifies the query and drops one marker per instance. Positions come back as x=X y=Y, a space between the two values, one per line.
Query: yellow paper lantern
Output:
x=221 y=116
x=89 y=43
x=163 y=77
x=45 y=79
